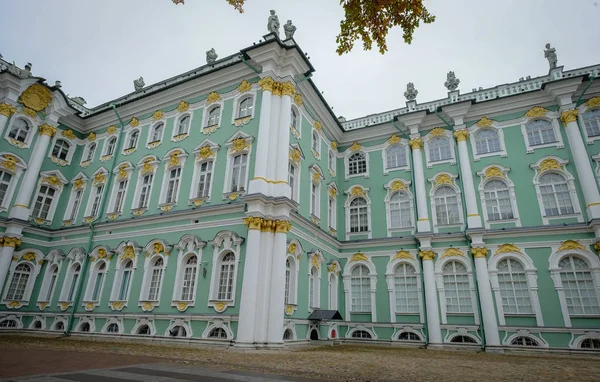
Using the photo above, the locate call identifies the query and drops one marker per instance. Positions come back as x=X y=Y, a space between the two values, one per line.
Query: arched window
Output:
x=110 y=146
x=85 y=327
x=313 y=288
x=183 y=125
x=20 y=130
x=395 y=156
x=112 y=328
x=540 y=132
x=18 y=284
x=362 y=334
x=556 y=196
x=245 y=107
x=125 y=280
x=178 y=331
x=357 y=164
x=578 y=284
x=360 y=289
x=9 y=324
x=400 y=211
x=226 y=275
x=590 y=343
x=61 y=149
x=316 y=140
x=144 y=330
x=213 y=116
x=43 y=202
x=359 y=218
x=238 y=172
x=219 y=333
x=157 y=132
x=497 y=200
x=514 y=289
x=52 y=277
x=294 y=119
x=156 y=273
x=332 y=292
x=408 y=336
x=446 y=206
x=91 y=151
x=5 y=179
x=591 y=119
x=133 y=139
x=288 y=335
x=487 y=141
x=37 y=324
x=74 y=277
x=463 y=340
x=189 y=278
x=439 y=149
x=456 y=288
x=405 y=288
x=59 y=326
x=288 y=280
x=98 y=281
x=524 y=341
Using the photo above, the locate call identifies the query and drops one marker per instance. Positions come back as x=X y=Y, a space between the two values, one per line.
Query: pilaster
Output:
x=466 y=173
x=431 y=299
x=8 y=243
x=490 y=323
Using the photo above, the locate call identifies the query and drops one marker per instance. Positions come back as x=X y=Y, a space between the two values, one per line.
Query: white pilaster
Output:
x=264 y=284
x=277 y=292
x=6 y=254
x=274 y=137
x=391 y=296
x=486 y=301
x=582 y=164
x=21 y=210
x=247 y=316
x=431 y=299
x=423 y=220
x=258 y=184
x=473 y=217
x=281 y=187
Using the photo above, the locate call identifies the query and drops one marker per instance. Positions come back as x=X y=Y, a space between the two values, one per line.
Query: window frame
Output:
x=131 y=148
x=106 y=155
x=393 y=187
x=151 y=142
x=231 y=154
x=58 y=189
x=358 y=164
x=188 y=246
x=456 y=254
x=314 y=206
x=34 y=270
x=149 y=265
x=170 y=166
x=19 y=169
x=390 y=274
x=372 y=275
x=439 y=133
x=147 y=166
x=445 y=179
x=490 y=173
x=315 y=145
x=403 y=144
x=551 y=117
x=85 y=157
x=352 y=194
x=70 y=150
x=223 y=243
x=208 y=109
x=93 y=274
x=495 y=126
x=237 y=119
x=72 y=211
x=176 y=136
x=584 y=109
x=30 y=134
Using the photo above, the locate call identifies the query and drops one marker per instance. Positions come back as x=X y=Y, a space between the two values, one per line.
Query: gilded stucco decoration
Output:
x=438 y=131
x=36 y=97
x=9 y=163
x=123 y=174
x=359 y=257
x=443 y=179
x=147 y=167
x=128 y=253
x=47 y=130
x=134 y=122
x=116 y=305
x=52 y=180
x=507 y=248
x=13 y=305
x=461 y=135
x=212 y=98
x=89 y=306
x=183 y=106
x=244 y=87
x=266 y=84
x=167 y=207
x=484 y=122
x=112 y=129
x=332 y=268
x=479 y=252
x=592 y=103
x=29 y=256
x=99 y=178
x=402 y=255
x=394 y=139
x=287 y=89
x=283 y=226
x=298 y=99
x=315 y=261
x=452 y=252
x=292 y=248
x=174 y=159
x=493 y=171
x=295 y=155
x=78 y=183
x=102 y=254
x=332 y=192
x=398 y=186
x=570 y=245
x=158 y=247
x=597 y=246
x=12 y=242
x=550 y=164
x=334 y=145
x=427 y=255
x=318 y=125
x=289 y=310
x=147 y=306
x=536 y=112
x=569 y=116
x=7 y=110
x=357 y=191
x=64 y=306
x=204 y=152
x=91 y=137
x=355 y=146
x=253 y=222
x=416 y=143
x=182 y=306
x=158 y=114
x=220 y=306
x=68 y=134
x=238 y=145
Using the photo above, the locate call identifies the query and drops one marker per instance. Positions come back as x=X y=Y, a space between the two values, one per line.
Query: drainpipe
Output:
x=245 y=62
x=101 y=211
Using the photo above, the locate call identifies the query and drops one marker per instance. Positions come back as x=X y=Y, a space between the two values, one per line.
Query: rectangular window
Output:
x=5 y=179
x=238 y=173
x=43 y=202
x=292 y=179
x=73 y=286
x=124 y=285
x=50 y=287
x=332 y=213
x=155 y=284
x=173 y=185
x=97 y=286
x=97 y=199
x=204 y=179
x=145 y=191
x=189 y=278
x=120 y=196
x=314 y=197
x=76 y=204
x=331 y=162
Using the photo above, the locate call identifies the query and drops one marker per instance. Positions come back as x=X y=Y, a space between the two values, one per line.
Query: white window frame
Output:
x=435 y=186
x=580 y=116
x=70 y=150
x=473 y=130
x=168 y=167
x=72 y=210
x=316 y=176
x=58 y=189
x=351 y=195
x=434 y=134
x=93 y=274
x=92 y=194
x=206 y=128
x=531 y=275
x=176 y=136
x=231 y=154
x=332 y=285
x=34 y=265
x=392 y=188
x=296 y=129
x=314 y=287
x=295 y=185
x=130 y=149
x=390 y=276
x=348 y=268
x=441 y=259
x=404 y=144
x=115 y=188
x=152 y=143
x=332 y=195
x=292 y=288
x=113 y=321
x=199 y=160
x=86 y=153
x=238 y=120
x=144 y=171
x=315 y=145
x=19 y=169
x=153 y=248
x=349 y=153
x=32 y=131
x=187 y=247
x=53 y=262
x=594 y=267
x=503 y=177
x=570 y=180
x=68 y=283
x=551 y=117
x=105 y=155
x=120 y=270
x=225 y=242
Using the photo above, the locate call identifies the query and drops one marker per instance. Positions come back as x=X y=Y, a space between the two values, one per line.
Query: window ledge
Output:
x=113 y=215
x=182 y=305
x=566 y=216
x=351 y=312
x=17 y=143
x=197 y=202
x=58 y=161
x=166 y=207
x=40 y=221
x=209 y=129
x=242 y=120
x=153 y=144
x=532 y=315
x=129 y=151
x=85 y=163
x=139 y=211
x=180 y=137
x=500 y=221
x=233 y=195
x=316 y=220
x=88 y=219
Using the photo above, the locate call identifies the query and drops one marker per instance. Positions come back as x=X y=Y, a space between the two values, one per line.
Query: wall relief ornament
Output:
x=507 y=248
x=570 y=245
x=244 y=87
x=253 y=222
x=134 y=122
x=116 y=305
x=536 y=112
x=484 y=122
x=283 y=226
x=452 y=252
x=158 y=114
x=123 y=174
x=147 y=167
x=91 y=137
x=287 y=88
x=315 y=261
x=289 y=310
x=402 y=255
x=112 y=129
x=29 y=256
x=174 y=159
x=183 y=106
x=394 y=139
x=597 y=246
x=591 y=103
x=7 y=110
x=493 y=171
x=9 y=162
x=36 y=97
x=68 y=134
x=52 y=180
x=213 y=97
x=461 y=135
x=550 y=164
x=478 y=252
x=238 y=145
x=359 y=257
x=427 y=255
x=158 y=247
x=398 y=186
x=292 y=248
x=205 y=152
x=318 y=125
x=298 y=99
x=416 y=143
x=48 y=130
x=220 y=306
x=334 y=145
x=357 y=191
x=438 y=131
x=182 y=306
x=332 y=192
x=99 y=178
x=266 y=84
x=443 y=179
x=569 y=116
x=355 y=147
x=295 y=155
x=147 y=306
x=128 y=253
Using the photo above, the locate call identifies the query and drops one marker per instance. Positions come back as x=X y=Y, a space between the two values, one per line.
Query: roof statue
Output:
x=139 y=84
x=27 y=71
x=550 y=55
x=211 y=56
x=273 y=23
x=57 y=84
x=289 y=29
x=79 y=100
x=411 y=92
x=451 y=81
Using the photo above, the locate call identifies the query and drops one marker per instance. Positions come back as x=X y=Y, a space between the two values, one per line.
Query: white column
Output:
x=431 y=299
x=274 y=135
x=277 y=291
x=416 y=145
x=258 y=184
x=21 y=210
x=391 y=297
x=587 y=179
x=264 y=282
x=7 y=248
x=466 y=174
x=486 y=301
x=281 y=187
x=249 y=295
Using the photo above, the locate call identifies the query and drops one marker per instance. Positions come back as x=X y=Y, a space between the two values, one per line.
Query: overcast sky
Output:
x=97 y=47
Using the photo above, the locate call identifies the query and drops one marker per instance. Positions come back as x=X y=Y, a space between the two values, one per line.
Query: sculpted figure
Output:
x=411 y=92
x=289 y=29
x=211 y=56
x=139 y=84
x=273 y=23
x=550 y=54
x=451 y=81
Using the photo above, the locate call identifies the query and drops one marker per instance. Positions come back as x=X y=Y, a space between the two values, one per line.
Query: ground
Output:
x=22 y=355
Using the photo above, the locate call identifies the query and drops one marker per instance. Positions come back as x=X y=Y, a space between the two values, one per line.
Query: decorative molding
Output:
x=536 y=112
x=452 y=252
x=571 y=244
x=427 y=255
x=506 y=248
x=569 y=116
x=402 y=255
x=244 y=87
x=479 y=252
x=461 y=135
x=416 y=143
x=183 y=106
x=359 y=257
x=484 y=122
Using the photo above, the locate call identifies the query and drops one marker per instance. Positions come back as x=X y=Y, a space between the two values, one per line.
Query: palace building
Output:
x=229 y=206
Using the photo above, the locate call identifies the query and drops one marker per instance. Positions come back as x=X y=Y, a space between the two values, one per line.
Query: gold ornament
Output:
x=394 y=139
x=268 y=225
x=355 y=146
x=7 y=110
x=116 y=305
x=12 y=242
x=68 y=134
x=91 y=137
x=244 y=87
x=298 y=99
x=10 y=162
x=403 y=255
x=493 y=171
x=593 y=102
x=205 y=152
x=597 y=244
x=397 y=186
x=102 y=253
x=295 y=155
x=316 y=177
x=147 y=306
x=332 y=192
x=289 y=310
x=123 y=174
x=478 y=252
x=569 y=245
x=233 y=196
x=99 y=178
x=29 y=256
x=334 y=145
x=158 y=114
x=283 y=226
x=292 y=248
x=183 y=106
x=212 y=97
x=174 y=159
x=158 y=247
x=253 y=222
x=359 y=257
x=238 y=145
x=182 y=306
x=147 y=167
x=452 y=252
x=318 y=125
x=128 y=253
x=536 y=112
x=461 y=135
x=113 y=129
x=89 y=306
x=53 y=180
x=36 y=97
x=507 y=248
x=134 y=122
x=357 y=191
x=416 y=143
x=267 y=84
x=427 y=255
x=287 y=88
x=569 y=116
x=549 y=164
x=47 y=130
x=13 y=305
x=43 y=305
x=220 y=306
x=443 y=179
x=64 y=306
x=315 y=261
x=332 y=268
x=438 y=131
x=484 y=122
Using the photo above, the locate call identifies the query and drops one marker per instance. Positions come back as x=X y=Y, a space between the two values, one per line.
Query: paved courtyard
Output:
x=76 y=359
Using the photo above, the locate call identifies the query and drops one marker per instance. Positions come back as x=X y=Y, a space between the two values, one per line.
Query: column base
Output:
x=593 y=211
x=494 y=349
x=258 y=186
x=255 y=346
x=474 y=222
x=435 y=346
x=423 y=226
x=19 y=212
